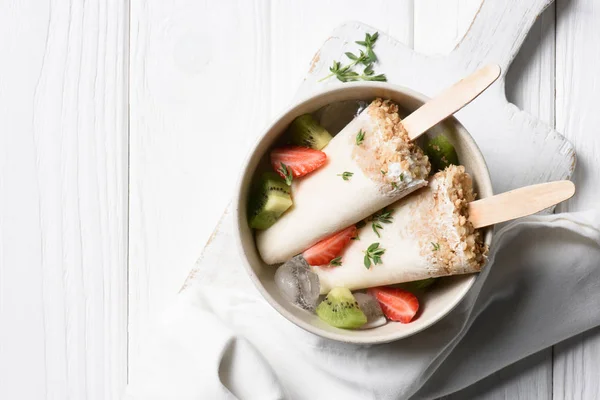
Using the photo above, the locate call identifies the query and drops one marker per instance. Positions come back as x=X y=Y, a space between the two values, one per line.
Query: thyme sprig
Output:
x=373 y=255
x=365 y=57
x=382 y=217
x=336 y=262
x=287 y=173
x=346 y=175
x=360 y=137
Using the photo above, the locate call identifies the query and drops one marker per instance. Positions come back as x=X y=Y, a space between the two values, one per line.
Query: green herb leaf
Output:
x=351 y=56
x=365 y=57
x=287 y=173
x=371 y=55
x=436 y=246
x=382 y=217
x=360 y=137
x=373 y=255
x=372 y=246
x=376 y=78
x=335 y=67
x=385 y=216
x=394 y=185
x=346 y=175
x=375 y=226
x=336 y=261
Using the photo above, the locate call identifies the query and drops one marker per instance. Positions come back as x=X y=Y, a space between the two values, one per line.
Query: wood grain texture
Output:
x=299 y=28
x=63 y=199
x=508 y=33
x=519 y=203
x=195 y=104
x=575 y=374
x=494 y=123
x=528 y=379
x=449 y=101
x=529 y=85
x=576 y=367
x=440 y=25
x=192 y=96
x=577 y=83
x=537 y=382
x=63 y=160
x=498 y=31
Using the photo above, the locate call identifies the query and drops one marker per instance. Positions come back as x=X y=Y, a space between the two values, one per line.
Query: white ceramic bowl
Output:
x=435 y=303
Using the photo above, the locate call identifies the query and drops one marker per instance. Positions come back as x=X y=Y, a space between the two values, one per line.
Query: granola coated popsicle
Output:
x=370 y=164
x=424 y=235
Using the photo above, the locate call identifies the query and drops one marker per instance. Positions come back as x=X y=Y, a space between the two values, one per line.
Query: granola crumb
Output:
x=445 y=221
x=387 y=155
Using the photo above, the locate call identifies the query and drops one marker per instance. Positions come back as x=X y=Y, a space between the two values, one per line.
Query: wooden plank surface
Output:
x=440 y=25
x=180 y=176
x=576 y=367
x=529 y=85
x=293 y=45
x=199 y=85
x=64 y=161
x=63 y=199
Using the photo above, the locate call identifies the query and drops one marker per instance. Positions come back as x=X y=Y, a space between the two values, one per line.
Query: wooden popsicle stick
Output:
x=519 y=202
x=450 y=101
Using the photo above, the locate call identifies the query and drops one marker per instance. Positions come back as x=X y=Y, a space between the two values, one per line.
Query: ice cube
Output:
x=361 y=106
x=297 y=283
x=370 y=306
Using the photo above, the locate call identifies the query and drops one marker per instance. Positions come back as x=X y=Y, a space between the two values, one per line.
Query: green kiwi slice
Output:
x=441 y=153
x=305 y=131
x=341 y=310
x=270 y=198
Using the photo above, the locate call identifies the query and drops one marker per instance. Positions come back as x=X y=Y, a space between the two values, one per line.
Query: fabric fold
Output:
x=222 y=340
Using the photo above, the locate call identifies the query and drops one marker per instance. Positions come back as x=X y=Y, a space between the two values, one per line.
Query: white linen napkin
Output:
x=222 y=340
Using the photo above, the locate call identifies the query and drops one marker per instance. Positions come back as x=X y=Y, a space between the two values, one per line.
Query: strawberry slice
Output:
x=300 y=160
x=330 y=247
x=397 y=304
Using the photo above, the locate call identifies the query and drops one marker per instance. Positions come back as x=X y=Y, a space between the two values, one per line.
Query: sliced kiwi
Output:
x=268 y=200
x=341 y=310
x=305 y=131
x=441 y=153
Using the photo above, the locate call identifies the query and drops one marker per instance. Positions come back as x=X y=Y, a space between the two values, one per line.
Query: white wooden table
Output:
x=115 y=116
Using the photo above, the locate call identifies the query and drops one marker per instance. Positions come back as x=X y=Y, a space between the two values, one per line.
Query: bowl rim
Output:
x=341 y=337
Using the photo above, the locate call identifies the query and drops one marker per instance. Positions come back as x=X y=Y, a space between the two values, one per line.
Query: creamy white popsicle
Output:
x=385 y=166
x=429 y=236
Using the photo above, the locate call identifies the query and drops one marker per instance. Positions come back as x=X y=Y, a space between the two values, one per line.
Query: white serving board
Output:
x=519 y=149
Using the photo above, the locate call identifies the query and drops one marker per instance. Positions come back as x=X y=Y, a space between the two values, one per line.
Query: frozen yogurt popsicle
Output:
x=371 y=163
x=427 y=235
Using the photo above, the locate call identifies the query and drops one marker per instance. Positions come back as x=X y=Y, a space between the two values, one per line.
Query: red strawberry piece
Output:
x=396 y=304
x=301 y=160
x=330 y=247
